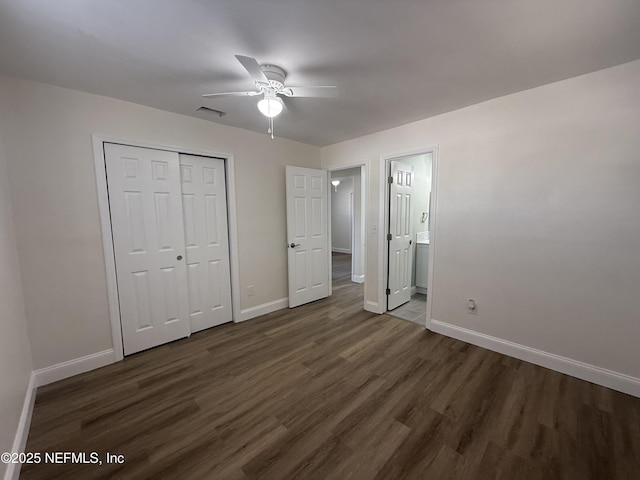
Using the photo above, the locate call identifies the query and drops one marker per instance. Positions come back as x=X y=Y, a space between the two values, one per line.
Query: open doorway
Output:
x=408 y=228
x=347 y=231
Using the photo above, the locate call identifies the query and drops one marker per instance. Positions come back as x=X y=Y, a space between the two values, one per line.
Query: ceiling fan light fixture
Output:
x=270 y=82
x=270 y=106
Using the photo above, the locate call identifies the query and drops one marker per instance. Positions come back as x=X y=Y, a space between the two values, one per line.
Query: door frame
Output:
x=107 y=236
x=383 y=220
x=352 y=223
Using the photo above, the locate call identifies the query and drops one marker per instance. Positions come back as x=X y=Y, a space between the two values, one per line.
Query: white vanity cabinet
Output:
x=422 y=266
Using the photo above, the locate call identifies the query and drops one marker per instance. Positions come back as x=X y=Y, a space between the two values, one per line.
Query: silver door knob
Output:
x=294 y=245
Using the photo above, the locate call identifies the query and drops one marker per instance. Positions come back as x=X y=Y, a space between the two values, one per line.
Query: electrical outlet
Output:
x=472 y=306
x=251 y=291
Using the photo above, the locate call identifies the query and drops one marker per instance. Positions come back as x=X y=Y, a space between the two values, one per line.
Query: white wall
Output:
x=50 y=163
x=537 y=215
x=341 y=215
x=15 y=352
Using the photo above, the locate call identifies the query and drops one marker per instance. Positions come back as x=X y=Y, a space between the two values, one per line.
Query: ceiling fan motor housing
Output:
x=276 y=76
x=274 y=73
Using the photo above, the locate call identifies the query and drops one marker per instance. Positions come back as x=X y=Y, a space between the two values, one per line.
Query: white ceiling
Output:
x=394 y=61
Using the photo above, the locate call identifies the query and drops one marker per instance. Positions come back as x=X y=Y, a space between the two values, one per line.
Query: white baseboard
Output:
x=413 y=290
x=374 y=307
x=44 y=376
x=421 y=290
x=263 y=309
x=47 y=375
x=341 y=250
x=357 y=278
x=20 y=440
x=590 y=373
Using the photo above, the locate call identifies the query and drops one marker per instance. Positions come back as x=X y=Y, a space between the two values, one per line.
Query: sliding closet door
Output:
x=148 y=240
x=204 y=203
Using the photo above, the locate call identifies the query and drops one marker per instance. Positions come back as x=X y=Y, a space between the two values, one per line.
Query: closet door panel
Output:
x=148 y=239
x=204 y=201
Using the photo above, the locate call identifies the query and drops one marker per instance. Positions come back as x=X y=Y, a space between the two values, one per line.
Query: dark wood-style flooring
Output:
x=329 y=391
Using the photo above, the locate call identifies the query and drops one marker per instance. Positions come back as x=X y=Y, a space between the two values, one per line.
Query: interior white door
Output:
x=399 y=234
x=204 y=204
x=307 y=234
x=148 y=240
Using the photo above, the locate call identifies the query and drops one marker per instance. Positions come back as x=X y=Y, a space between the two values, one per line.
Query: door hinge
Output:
x=388 y=291
x=389 y=237
x=390 y=179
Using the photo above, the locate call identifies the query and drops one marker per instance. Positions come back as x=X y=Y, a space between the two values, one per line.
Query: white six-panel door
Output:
x=148 y=238
x=307 y=235
x=400 y=242
x=204 y=204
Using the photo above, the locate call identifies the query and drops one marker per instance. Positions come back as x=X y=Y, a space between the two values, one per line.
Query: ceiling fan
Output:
x=270 y=84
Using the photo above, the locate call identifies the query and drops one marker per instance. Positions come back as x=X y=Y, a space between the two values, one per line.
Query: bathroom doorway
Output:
x=408 y=230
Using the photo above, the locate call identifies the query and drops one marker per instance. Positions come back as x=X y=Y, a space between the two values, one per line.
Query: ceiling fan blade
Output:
x=252 y=66
x=324 y=91
x=231 y=94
